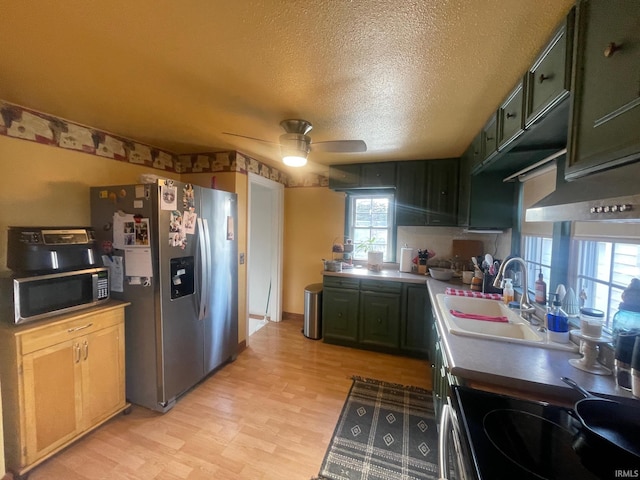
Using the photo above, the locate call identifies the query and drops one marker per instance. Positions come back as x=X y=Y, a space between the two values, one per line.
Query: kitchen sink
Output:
x=515 y=330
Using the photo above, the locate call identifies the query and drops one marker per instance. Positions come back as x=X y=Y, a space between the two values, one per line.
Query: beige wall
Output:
x=45 y=185
x=313 y=219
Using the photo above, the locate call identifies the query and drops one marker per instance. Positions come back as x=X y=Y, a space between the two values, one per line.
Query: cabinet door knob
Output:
x=511 y=115
x=611 y=49
x=543 y=77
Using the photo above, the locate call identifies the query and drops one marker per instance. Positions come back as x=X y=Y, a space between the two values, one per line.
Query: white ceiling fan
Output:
x=295 y=145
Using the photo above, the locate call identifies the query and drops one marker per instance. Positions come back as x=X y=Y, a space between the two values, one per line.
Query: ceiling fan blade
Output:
x=340 y=146
x=250 y=138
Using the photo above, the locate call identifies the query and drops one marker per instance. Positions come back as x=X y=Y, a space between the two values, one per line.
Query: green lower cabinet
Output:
x=380 y=319
x=416 y=320
x=382 y=315
x=340 y=314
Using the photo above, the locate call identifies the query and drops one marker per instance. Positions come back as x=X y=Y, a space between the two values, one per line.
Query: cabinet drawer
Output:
x=381 y=286
x=548 y=80
x=511 y=117
x=44 y=336
x=341 y=282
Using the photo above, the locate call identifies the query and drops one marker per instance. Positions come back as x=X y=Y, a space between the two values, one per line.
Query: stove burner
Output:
x=535 y=444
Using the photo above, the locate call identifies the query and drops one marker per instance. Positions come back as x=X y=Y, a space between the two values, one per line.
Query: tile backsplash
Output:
x=440 y=240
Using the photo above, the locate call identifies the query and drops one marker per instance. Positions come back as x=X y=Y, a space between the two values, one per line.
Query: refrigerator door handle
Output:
x=209 y=265
x=203 y=269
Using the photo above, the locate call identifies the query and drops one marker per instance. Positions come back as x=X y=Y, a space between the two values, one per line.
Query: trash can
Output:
x=313 y=311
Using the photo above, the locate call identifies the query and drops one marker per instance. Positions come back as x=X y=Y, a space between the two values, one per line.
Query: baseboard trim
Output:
x=241 y=347
x=292 y=316
x=8 y=476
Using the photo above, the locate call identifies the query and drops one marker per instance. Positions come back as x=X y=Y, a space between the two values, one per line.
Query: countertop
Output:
x=387 y=274
x=532 y=371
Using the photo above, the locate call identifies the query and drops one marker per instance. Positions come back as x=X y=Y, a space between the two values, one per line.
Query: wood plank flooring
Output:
x=269 y=415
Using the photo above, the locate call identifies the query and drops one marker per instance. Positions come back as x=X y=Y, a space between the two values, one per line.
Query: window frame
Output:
x=350 y=198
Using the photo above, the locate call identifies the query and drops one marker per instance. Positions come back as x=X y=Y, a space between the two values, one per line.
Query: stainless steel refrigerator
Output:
x=172 y=252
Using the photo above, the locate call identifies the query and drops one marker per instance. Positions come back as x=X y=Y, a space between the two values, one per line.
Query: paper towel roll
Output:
x=406 y=258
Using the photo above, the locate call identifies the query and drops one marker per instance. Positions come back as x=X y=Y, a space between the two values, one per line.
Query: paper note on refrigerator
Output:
x=116 y=273
x=137 y=262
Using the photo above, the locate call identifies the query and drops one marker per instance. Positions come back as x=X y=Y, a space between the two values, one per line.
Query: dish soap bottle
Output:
x=507 y=291
x=557 y=323
x=541 y=290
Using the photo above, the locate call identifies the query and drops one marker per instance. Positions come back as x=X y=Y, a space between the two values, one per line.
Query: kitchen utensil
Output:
x=488 y=259
x=611 y=427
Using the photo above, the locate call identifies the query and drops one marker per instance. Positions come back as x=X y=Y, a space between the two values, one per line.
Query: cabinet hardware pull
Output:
x=611 y=49
x=86 y=349
x=489 y=139
x=76 y=347
x=511 y=115
x=70 y=330
x=544 y=77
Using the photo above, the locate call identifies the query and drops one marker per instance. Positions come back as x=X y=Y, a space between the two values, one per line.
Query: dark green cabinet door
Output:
x=380 y=319
x=340 y=314
x=548 y=81
x=442 y=192
x=606 y=108
x=343 y=177
x=477 y=154
x=490 y=138
x=464 y=187
x=510 y=116
x=492 y=202
x=378 y=175
x=410 y=193
x=416 y=320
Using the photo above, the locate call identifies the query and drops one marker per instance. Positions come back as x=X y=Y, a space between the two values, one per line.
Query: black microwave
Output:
x=42 y=296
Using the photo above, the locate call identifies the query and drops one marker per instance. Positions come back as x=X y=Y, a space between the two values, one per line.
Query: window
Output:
x=370 y=224
x=604 y=270
x=537 y=255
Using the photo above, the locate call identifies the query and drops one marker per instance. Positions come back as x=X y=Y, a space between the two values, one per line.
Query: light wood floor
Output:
x=269 y=415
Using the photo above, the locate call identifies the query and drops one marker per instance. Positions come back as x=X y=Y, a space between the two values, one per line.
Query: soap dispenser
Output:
x=557 y=322
x=507 y=291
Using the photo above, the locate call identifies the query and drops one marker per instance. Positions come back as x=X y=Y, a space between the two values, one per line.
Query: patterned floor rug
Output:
x=385 y=432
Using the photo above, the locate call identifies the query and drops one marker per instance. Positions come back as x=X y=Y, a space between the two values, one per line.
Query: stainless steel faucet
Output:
x=526 y=309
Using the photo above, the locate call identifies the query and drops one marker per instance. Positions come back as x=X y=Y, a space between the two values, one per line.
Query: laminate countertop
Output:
x=531 y=371
x=387 y=274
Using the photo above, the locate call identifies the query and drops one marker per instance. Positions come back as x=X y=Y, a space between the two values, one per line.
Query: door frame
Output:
x=277 y=193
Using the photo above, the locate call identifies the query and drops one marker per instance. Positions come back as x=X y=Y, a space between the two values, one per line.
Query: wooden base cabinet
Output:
x=61 y=379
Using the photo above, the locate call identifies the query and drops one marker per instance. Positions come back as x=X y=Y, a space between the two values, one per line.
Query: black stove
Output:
x=511 y=438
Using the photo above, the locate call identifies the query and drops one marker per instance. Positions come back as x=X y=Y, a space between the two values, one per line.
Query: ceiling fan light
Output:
x=294 y=148
x=294 y=160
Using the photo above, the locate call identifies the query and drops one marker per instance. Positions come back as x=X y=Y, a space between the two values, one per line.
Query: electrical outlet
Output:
x=242 y=259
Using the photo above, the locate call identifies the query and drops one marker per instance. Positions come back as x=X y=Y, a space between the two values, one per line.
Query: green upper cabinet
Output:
x=606 y=104
x=511 y=117
x=365 y=175
x=484 y=200
x=378 y=175
x=532 y=121
x=442 y=192
x=427 y=192
x=490 y=138
x=548 y=81
x=410 y=193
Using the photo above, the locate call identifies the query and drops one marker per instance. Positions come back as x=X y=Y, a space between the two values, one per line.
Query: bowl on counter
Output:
x=441 y=273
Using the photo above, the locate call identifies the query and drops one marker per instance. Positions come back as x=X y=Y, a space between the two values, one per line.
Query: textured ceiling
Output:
x=413 y=79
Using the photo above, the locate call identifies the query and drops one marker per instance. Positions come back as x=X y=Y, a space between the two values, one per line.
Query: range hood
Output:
x=609 y=196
